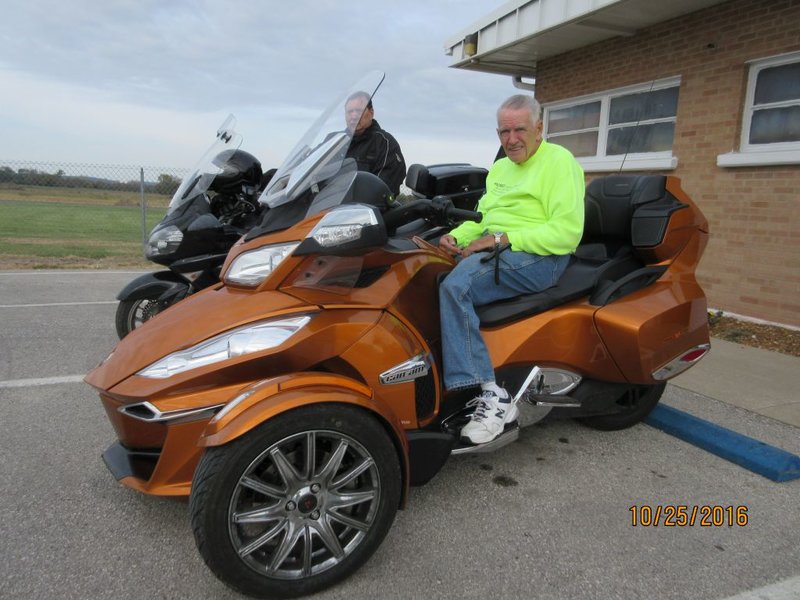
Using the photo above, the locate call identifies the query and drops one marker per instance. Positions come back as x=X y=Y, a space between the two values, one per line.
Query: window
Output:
x=630 y=128
x=771 y=115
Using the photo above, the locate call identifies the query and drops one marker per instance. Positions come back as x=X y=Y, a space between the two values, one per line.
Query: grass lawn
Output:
x=72 y=230
x=37 y=193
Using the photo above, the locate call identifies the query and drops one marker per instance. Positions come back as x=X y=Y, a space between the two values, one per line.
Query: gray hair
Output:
x=518 y=101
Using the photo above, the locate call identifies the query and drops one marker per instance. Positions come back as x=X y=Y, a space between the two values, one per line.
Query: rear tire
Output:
x=635 y=405
x=297 y=504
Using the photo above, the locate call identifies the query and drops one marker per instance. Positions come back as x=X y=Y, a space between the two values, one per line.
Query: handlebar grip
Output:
x=460 y=214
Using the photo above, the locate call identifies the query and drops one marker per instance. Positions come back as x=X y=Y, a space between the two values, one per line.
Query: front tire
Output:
x=133 y=313
x=297 y=504
x=635 y=404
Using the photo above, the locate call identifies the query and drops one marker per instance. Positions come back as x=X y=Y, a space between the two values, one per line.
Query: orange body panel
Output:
x=645 y=330
x=178 y=461
x=282 y=394
x=209 y=313
x=387 y=345
x=564 y=336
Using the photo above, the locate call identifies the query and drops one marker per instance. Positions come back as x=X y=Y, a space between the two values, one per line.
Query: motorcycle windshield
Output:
x=321 y=152
x=211 y=164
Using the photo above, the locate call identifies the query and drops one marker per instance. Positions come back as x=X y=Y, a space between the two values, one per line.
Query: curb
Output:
x=771 y=462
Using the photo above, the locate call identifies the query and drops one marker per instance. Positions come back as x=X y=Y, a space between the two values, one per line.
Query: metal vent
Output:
x=425 y=396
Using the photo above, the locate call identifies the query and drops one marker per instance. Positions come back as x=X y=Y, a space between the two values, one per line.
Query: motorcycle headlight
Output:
x=237 y=342
x=163 y=241
x=351 y=228
x=342 y=225
x=253 y=267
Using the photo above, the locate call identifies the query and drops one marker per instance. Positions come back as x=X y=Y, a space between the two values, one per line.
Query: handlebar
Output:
x=439 y=208
x=460 y=214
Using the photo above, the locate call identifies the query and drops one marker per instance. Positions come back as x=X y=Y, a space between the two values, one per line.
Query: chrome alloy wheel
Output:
x=131 y=314
x=304 y=504
x=144 y=310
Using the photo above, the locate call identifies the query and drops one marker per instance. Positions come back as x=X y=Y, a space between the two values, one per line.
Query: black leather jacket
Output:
x=377 y=152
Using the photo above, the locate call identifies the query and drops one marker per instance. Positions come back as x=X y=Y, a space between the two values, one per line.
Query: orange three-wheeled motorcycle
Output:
x=297 y=399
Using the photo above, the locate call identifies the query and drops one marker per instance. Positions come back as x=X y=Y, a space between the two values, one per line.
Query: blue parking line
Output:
x=756 y=456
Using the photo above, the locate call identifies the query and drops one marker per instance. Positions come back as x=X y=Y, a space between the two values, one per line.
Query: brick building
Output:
x=711 y=96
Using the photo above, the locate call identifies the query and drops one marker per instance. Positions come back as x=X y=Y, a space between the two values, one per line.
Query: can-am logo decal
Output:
x=407 y=371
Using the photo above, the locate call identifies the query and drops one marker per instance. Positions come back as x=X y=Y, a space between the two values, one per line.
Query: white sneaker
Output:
x=491 y=415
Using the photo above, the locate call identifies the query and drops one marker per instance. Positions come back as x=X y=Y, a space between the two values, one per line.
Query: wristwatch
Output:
x=498 y=238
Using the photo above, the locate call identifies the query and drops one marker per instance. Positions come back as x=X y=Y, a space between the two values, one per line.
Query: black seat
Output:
x=606 y=264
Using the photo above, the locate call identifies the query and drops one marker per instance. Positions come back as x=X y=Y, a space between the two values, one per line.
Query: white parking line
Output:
x=18 y=383
x=87 y=272
x=56 y=304
x=788 y=589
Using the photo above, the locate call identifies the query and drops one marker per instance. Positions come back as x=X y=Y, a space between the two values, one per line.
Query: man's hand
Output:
x=483 y=243
x=448 y=244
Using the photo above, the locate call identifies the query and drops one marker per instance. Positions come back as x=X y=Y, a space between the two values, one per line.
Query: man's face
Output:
x=357 y=116
x=519 y=135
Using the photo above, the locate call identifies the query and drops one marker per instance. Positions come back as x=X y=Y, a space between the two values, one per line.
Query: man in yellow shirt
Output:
x=533 y=206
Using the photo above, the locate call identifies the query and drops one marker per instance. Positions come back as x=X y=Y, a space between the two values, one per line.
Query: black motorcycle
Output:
x=209 y=212
x=218 y=203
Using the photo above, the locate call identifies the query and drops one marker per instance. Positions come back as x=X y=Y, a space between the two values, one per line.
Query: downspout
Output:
x=524 y=85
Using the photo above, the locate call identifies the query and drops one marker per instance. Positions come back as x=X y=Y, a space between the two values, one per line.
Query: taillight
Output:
x=693 y=355
x=681 y=362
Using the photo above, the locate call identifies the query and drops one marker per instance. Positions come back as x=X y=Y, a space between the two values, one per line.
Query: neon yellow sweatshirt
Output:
x=538 y=204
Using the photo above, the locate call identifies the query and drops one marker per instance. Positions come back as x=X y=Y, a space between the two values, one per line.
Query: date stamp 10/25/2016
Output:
x=684 y=515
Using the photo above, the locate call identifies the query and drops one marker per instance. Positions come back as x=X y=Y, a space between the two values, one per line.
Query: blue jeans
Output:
x=471 y=284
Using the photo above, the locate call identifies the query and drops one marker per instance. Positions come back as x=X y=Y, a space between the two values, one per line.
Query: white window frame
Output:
x=782 y=153
x=634 y=161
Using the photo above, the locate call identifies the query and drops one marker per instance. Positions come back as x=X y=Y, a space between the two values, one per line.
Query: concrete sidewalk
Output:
x=763 y=382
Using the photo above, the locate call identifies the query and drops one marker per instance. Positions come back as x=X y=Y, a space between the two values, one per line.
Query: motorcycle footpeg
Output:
x=510 y=434
x=550 y=400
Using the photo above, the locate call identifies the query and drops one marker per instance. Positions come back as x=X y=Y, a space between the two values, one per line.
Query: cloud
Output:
x=147 y=81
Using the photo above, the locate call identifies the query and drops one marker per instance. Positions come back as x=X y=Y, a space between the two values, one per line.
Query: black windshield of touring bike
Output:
x=321 y=152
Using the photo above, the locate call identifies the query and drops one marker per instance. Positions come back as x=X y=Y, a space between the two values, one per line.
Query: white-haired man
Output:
x=533 y=207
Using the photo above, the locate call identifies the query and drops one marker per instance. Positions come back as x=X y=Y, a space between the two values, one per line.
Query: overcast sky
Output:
x=147 y=82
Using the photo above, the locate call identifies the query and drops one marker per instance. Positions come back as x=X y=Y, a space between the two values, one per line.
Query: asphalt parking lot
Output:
x=547 y=517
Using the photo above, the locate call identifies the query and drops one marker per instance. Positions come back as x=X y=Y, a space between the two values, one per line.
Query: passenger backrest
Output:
x=610 y=204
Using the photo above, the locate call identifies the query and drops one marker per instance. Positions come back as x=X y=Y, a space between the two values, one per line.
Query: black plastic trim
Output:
x=198 y=263
x=595 y=398
x=608 y=291
x=123 y=462
x=153 y=285
x=427 y=453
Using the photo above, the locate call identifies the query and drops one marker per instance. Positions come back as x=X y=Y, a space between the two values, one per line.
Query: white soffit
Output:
x=512 y=38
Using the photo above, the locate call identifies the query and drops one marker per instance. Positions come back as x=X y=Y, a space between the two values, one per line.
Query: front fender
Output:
x=153 y=285
x=268 y=398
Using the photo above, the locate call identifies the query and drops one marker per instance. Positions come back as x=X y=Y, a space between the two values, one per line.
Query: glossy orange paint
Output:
x=269 y=398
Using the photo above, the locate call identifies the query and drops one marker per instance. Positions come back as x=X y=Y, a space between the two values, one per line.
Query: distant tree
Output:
x=167 y=184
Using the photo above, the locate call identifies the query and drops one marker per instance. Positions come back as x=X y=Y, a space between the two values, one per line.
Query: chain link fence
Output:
x=67 y=214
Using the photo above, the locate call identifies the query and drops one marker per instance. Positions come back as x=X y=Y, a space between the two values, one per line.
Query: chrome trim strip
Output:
x=537 y=384
x=505 y=438
x=158 y=416
x=419 y=366
x=677 y=365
